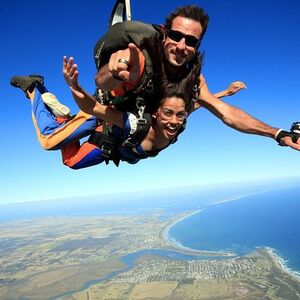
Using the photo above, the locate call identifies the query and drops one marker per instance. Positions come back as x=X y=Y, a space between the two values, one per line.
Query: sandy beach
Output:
x=279 y=262
x=180 y=248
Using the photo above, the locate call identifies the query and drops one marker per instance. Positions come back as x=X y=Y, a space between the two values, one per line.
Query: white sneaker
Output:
x=58 y=109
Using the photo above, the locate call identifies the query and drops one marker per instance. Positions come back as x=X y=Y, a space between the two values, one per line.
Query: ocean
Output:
x=268 y=219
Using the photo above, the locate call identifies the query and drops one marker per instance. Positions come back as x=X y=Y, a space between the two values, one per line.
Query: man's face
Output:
x=170 y=117
x=180 y=50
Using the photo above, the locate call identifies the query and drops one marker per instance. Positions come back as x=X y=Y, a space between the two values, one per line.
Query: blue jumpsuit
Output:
x=54 y=135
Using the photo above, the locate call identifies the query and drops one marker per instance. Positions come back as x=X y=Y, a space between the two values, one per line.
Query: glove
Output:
x=282 y=133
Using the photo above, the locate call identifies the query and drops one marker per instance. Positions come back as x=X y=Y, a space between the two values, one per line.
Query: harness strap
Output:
x=107 y=144
x=143 y=123
x=128 y=10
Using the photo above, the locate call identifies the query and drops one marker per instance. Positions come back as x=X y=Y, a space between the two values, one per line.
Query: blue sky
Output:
x=254 y=41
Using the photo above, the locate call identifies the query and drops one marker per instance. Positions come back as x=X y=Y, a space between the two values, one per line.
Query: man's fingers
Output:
x=129 y=75
x=134 y=55
x=124 y=75
x=287 y=141
x=116 y=64
x=239 y=84
x=242 y=85
x=134 y=66
x=125 y=63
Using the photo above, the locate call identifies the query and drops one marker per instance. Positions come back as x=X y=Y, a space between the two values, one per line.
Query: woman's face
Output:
x=170 y=116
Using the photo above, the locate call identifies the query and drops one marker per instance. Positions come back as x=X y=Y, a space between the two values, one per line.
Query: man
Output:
x=123 y=61
x=185 y=27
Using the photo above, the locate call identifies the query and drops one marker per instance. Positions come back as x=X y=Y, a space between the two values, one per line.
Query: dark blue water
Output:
x=263 y=220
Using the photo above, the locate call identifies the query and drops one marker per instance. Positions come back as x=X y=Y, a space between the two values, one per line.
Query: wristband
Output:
x=277 y=133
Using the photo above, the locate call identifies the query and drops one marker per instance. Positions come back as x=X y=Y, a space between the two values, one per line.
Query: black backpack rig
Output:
x=141 y=101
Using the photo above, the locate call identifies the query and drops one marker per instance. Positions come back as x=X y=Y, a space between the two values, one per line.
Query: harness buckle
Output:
x=140 y=104
x=102 y=97
x=106 y=148
x=196 y=92
x=141 y=121
x=128 y=144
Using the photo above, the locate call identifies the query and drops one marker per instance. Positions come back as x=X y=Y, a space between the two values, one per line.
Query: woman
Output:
x=166 y=123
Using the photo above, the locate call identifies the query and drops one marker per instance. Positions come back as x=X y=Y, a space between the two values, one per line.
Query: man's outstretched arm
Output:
x=240 y=120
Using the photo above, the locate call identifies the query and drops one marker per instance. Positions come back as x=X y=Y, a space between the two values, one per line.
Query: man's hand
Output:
x=125 y=64
x=232 y=89
x=290 y=139
x=287 y=141
x=235 y=86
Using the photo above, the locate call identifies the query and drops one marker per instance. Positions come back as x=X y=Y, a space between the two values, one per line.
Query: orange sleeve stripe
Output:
x=51 y=140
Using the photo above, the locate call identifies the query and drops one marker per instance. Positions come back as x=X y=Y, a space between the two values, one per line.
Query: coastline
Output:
x=174 y=245
x=280 y=263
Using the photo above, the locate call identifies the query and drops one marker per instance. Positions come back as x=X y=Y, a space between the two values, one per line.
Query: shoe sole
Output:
x=26 y=83
x=58 y=109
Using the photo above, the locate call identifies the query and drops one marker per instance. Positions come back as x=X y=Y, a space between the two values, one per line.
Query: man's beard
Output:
x=174 y=73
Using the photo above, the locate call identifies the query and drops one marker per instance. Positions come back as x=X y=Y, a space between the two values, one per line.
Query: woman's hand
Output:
x=70 y=72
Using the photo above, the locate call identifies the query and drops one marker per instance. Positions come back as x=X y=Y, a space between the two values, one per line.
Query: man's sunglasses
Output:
x=177 y=36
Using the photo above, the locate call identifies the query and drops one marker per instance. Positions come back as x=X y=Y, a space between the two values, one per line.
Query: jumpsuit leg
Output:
x=53 y=135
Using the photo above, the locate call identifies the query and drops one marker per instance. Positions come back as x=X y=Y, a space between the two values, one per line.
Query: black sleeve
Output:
x=119 y=36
